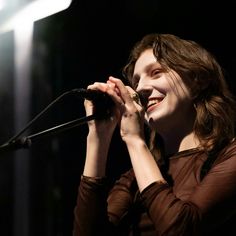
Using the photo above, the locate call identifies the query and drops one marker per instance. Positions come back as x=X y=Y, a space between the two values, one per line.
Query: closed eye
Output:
x=156 y=73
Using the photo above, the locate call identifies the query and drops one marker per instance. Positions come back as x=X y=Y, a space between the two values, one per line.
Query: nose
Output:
x=144 y=89
x=143 y=85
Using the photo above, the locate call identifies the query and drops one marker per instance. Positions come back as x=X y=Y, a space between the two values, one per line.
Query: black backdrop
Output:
x=86 y=43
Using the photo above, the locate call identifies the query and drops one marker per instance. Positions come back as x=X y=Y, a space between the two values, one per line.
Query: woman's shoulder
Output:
x=229 y=151
x=225 y=159
x=230 y=148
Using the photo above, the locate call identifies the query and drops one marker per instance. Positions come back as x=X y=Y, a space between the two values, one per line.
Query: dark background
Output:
x=86 y=43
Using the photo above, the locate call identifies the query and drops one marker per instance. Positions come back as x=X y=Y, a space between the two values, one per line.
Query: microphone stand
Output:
x=103 y=112
x=25 y=142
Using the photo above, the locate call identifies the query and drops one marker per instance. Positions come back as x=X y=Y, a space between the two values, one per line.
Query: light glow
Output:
x=34 y=11
x=2 y=4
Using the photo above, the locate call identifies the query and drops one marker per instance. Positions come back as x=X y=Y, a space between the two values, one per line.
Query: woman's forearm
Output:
x=144 y=165
x=96 y=156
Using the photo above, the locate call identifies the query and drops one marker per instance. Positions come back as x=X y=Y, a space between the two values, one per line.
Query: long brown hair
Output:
x=214 y=103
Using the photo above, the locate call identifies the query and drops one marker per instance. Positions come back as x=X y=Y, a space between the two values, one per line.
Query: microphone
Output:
x=102 y=101
x=96 y=96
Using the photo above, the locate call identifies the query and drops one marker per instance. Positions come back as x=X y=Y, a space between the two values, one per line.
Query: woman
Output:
x=183 y=176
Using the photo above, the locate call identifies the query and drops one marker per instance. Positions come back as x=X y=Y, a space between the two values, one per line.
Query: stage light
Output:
x=2 y=4
x=34 y=11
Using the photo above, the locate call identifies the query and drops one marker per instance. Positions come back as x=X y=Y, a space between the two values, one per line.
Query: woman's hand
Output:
x=131 y=112
x=100 y=134
x=102 y=128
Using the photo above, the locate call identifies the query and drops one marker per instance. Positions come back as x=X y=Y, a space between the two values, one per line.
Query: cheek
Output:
x=171 y=101
x=174 y=84
x=178 y=92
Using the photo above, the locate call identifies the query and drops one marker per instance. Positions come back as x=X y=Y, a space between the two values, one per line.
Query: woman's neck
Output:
x=174 y=143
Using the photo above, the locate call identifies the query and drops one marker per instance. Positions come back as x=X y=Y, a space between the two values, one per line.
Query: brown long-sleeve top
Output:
x=186 y=205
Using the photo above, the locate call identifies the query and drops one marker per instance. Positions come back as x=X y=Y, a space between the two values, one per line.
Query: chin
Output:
x=156 y=122
x=152 y=123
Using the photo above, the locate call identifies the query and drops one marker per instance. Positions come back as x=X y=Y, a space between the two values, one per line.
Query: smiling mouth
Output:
x=152 y=103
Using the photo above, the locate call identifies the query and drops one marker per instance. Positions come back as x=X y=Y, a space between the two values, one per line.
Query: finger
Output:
x=129 y=96
x=124 y=93
x=98 y=86
x=134 y=96
x=89 y=105
x=114 y=94
x=113 y=86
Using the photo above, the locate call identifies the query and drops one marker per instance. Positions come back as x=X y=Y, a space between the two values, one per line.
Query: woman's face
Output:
x=169 y=102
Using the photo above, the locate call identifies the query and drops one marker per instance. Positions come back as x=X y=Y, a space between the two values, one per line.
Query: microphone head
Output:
x=103 y=103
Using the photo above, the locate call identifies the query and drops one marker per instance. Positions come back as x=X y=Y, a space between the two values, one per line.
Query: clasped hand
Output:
x=127 y=112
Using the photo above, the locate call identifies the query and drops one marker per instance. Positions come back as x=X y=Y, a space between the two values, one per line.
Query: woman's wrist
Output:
x=100 y=138
x=133 y=140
